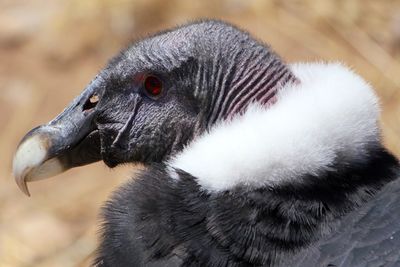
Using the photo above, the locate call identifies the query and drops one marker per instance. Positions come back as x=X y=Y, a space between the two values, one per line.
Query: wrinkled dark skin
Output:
x=144 y=128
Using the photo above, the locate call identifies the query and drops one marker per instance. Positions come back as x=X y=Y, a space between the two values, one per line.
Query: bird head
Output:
x=153 y=98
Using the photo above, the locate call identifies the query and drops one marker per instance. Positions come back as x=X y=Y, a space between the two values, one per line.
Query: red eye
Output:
x=153 y=85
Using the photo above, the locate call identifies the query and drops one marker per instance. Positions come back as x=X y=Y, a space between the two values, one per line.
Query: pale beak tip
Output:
x=32 y=162
x=29 y=155
x=21 y=180
x=23 y=186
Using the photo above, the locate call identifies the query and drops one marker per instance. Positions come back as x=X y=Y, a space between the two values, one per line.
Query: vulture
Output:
x=249 y=161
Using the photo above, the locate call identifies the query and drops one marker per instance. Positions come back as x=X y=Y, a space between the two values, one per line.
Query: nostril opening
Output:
x=91 y=102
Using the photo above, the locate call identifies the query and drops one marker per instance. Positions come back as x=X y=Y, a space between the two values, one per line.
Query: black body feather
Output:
x=155 y=220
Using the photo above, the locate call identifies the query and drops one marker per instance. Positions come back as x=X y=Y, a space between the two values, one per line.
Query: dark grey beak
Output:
x=70 y=140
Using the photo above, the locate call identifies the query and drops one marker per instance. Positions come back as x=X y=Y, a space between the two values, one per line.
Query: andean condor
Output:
x=249 y=161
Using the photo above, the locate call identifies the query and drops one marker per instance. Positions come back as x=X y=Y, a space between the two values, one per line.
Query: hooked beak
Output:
x=70 y=140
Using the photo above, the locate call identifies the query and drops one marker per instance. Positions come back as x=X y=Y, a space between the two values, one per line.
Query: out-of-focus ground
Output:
x=49 y=51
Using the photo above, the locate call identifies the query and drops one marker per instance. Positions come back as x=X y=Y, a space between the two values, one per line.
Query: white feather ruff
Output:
x=331 y=115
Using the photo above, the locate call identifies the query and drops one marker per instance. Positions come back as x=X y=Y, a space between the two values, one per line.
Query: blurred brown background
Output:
x=49 y=51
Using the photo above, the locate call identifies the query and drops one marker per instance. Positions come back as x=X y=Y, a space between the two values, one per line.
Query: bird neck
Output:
x=237 y=79
x=329 y=118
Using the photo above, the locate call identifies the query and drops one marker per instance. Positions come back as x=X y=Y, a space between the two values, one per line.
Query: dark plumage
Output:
x=206 y=76
x=264 y=227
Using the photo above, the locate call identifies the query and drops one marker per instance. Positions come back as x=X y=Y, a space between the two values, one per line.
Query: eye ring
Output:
x=153 y=85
